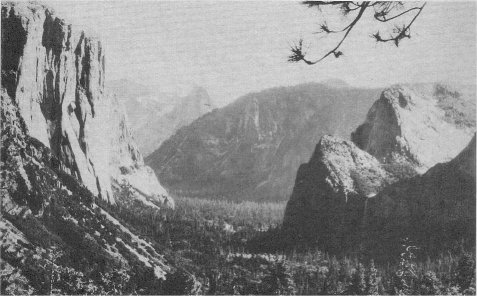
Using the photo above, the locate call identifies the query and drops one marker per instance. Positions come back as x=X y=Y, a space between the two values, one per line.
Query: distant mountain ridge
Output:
x=156 y=115
x=251 y=148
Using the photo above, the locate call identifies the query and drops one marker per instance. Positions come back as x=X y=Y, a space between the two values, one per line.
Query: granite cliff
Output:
x=419 y=125
x=55 y=74
x=251 y=149
x=51 y=222
x=344 y=193
x=66 y=155
x=328 y=198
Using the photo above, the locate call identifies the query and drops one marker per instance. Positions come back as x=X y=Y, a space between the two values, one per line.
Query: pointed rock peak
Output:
x=326 y=143
x=398 y=95
x=329 y=140
x=349 y=168
x=197 y=98
x=337 y=147
x=330 y=191
x=344 y=190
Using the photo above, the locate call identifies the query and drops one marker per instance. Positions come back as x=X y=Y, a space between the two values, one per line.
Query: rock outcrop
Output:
x=55 y=74
x=251 y=149
x=51 y=221
x=330 y=193
x=345 y=194
x=420 y=125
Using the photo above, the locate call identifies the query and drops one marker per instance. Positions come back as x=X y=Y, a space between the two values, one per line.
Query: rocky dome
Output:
x=55 y=74
x=329 y=193
x=421 y=125
x=345 y=192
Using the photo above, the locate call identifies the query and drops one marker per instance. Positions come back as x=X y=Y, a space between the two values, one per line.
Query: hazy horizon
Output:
x=239 y=47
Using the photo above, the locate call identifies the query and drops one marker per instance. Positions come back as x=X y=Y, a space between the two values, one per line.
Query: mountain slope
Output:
x=50 y=221
x=344 y=193
x=441 y=202
x=55 y=74
x=153 y=129
x=66 y=153
x=154 y=115
x=251 y=148
x=328 y=198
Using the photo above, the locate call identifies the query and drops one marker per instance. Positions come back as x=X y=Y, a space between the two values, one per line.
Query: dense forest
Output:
x=221 y=247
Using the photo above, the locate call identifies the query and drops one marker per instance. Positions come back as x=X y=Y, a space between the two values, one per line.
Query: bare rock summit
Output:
x=420 y=125
x=330 y=190
x=410 y=166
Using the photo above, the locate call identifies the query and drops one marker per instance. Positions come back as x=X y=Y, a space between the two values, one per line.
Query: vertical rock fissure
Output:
x=14 y=38
x=56 y=76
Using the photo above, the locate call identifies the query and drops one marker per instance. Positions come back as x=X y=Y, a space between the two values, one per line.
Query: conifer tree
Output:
x=430 y=284
x=358 y=284
x=405 y=277
x=465 y=271
x=332 y=280
x=372 y=280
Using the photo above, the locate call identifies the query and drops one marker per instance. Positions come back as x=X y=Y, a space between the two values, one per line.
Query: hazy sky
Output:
x=234 y=47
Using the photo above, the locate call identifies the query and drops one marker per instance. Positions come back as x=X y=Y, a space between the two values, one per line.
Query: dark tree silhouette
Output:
x=382 y=12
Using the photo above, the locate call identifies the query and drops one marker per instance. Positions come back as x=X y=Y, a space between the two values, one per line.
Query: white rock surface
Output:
x=418 y=124
x=378 y=190
x=55 y=72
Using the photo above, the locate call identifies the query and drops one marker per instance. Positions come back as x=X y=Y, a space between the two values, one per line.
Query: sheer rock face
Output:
x=421 y=125
x=252 y=148
x=43 y=207
x=55 y=74
x=330 y=192
x=345 y=193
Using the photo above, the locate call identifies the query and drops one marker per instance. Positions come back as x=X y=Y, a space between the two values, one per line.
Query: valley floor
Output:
x=220 y=247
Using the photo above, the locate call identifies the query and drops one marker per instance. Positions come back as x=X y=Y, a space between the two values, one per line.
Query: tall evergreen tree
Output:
x=372 y=287
x=358 y=284
x=465 y=271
